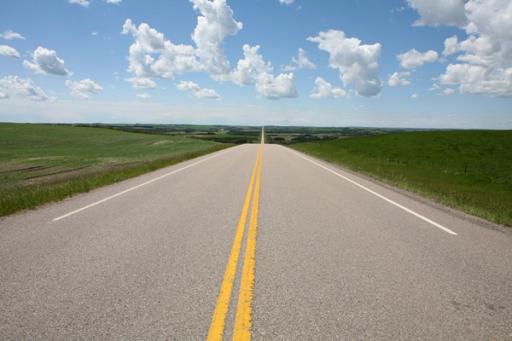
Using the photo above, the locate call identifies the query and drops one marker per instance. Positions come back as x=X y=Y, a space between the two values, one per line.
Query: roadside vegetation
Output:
x=43 y=163
x=468 y=170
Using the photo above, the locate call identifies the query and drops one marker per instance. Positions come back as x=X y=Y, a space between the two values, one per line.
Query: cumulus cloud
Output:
x=113 y=2
x=439 y=12
x=478 y=79
x=153 y=56
x=196 y=90
x=399 y=78
x=214 y=23
x=3 y=95
x=286 y=2
x=414 y=96
x=413 y=58
x=142 y=83
x=357 y=63
x=249 y=68
x=275 y=87
x=324 y=89
x=10 y=35
x=45 y=61
x=8 y=51
x=450 y=46
x=84 y=88
x=300 y=62
x=23 y=87
x=483 y=60
x=253 y=69
x=83 y=3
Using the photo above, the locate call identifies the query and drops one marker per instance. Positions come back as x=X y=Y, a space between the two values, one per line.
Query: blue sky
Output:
x=72 y=61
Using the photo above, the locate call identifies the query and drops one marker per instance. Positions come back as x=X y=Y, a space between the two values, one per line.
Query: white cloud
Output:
x=275 y=87
x=113 y=2
x=153 y=56
x=413 y=58
x=10 y=35
x=249 y=68
x=143 y=96
x=142 y=83
x=83 y=3
x=448 y=91
x=439 y=12
x=324 y=89
x=45 y=61
x=399 y=78
x=214 y=23
x=451 y=45
x=253 y=69
x=8 y=51
x=356 y=62
x=414 y=96
x=196 y=90
x=23 y=87
x=4 y=95
x=490 y=18
x=478 y=79
x=483 y=61
x=300 y=62
x=83 y=88
x=286 y=2
x=94 y=33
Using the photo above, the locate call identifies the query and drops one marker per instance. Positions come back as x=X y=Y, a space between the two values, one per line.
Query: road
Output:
x=253 y=242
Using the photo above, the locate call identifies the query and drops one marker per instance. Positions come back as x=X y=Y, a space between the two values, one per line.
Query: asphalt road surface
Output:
x=253 y=242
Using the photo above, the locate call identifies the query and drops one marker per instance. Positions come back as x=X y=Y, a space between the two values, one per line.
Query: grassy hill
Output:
x=41 y=163
x=469 y=170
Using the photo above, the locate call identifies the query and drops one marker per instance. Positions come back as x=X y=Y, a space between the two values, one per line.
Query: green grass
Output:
x=43 y=163
x=468 y=170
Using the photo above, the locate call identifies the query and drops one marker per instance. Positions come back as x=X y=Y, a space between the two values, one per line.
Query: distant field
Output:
x=248 y=134
x=42 y=163
x=215 y=133
x=469 y=170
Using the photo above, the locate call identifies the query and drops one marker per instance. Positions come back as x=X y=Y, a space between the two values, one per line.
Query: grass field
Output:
x=42 y=163
x=468 y=170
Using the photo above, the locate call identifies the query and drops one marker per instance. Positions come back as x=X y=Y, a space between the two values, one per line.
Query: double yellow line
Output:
x=242 y=327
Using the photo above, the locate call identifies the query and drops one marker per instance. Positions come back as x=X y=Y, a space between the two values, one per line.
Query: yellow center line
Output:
x=216 y=331
x=243 y=318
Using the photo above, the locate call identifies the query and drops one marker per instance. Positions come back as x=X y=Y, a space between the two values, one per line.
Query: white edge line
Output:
x=139 y=185
x=445 y=229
